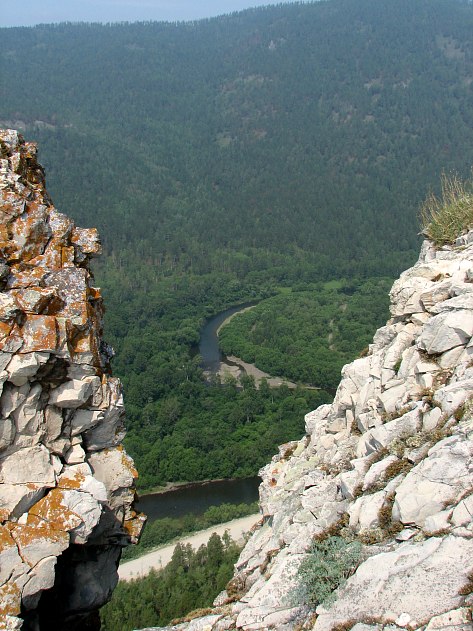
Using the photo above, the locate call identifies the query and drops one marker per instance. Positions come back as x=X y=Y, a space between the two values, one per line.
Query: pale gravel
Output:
x=160 y=557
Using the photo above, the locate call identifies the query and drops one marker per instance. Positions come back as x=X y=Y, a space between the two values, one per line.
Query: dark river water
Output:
x=196 y=498
x=208 y=344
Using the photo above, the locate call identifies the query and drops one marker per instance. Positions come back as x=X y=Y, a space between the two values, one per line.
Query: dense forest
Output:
x=234 y=159
x=307 y=336
x=190 y=581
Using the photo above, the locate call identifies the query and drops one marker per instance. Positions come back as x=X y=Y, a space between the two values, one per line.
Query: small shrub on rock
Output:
x=329 y=564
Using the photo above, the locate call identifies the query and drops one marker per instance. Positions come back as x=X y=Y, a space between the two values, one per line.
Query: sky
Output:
x=30 y=12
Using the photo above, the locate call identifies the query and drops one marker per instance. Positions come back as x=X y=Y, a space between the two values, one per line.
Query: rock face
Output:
x=390 y=464
x=66 y=485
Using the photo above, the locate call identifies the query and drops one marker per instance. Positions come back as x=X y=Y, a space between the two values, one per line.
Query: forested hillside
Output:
x=225 y=159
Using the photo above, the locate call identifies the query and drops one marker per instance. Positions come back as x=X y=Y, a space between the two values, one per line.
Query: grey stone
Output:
x=381 y=437
x=446 y=331
x=22 y=367
x=7 y=433
x=71 y=394
x=442 y=477
x=16 y=499
x=376 y=472
x=83 y=420
x=402 y=582
x=453 y=620
x=450 y=397
x=31 y=465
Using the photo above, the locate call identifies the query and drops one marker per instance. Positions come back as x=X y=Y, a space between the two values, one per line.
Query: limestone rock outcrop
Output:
x=388 y=464
x=66 y=484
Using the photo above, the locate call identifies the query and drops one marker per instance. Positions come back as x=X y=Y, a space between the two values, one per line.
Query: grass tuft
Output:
x=446 y=217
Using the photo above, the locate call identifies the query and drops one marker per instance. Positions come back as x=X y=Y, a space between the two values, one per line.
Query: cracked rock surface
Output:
x=66 y=484
x=388 y=464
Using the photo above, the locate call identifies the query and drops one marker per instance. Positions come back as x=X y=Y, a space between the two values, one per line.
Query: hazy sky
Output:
x=30 y=12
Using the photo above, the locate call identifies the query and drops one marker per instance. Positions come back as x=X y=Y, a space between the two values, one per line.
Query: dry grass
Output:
x=468 y=587
x=333 y=530
x=396 y=468
x=236 y=587
x=446 y=217
x=196 y=613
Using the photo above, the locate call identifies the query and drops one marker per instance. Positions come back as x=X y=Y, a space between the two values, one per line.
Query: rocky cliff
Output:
x=66 y=484
x=389 y=465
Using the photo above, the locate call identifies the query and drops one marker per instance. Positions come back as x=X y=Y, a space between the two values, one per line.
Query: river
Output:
x=215 y=363
x=197 y=497
x=208 y=344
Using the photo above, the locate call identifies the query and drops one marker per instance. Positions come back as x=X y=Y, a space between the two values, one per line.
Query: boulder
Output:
x=402 y=582
x=71 y=394
x=31 y=465
x=446 y=330
x=22 y=367
x=40 y=578
x=442 y=478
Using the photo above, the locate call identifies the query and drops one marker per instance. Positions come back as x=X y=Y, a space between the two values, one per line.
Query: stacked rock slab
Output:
x=390 y=464
x=66 y=484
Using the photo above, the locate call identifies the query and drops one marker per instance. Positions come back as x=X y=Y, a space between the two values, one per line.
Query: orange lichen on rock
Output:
x=6 y=540
x=128 y=463
x=71 y=482
x=4 y=514
x=5 y=330
x=134 y=526
x=10 y=601
x=53 y=509
x=87 y=239
x=38 y=534
x=39 y=333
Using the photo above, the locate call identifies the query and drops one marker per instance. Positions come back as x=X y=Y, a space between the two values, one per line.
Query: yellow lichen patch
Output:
x=73 y=482
x=4 y=514
x=8 y=251
x=25 y=276
x=4 y=236
x=128 y=462
x=134 y=526
x=26 y=534
x=39 y=333
x=53 y=509
x=6 y=540
x=5 y=330
x=87 y=343
x=10 y=600
x=67 y=256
